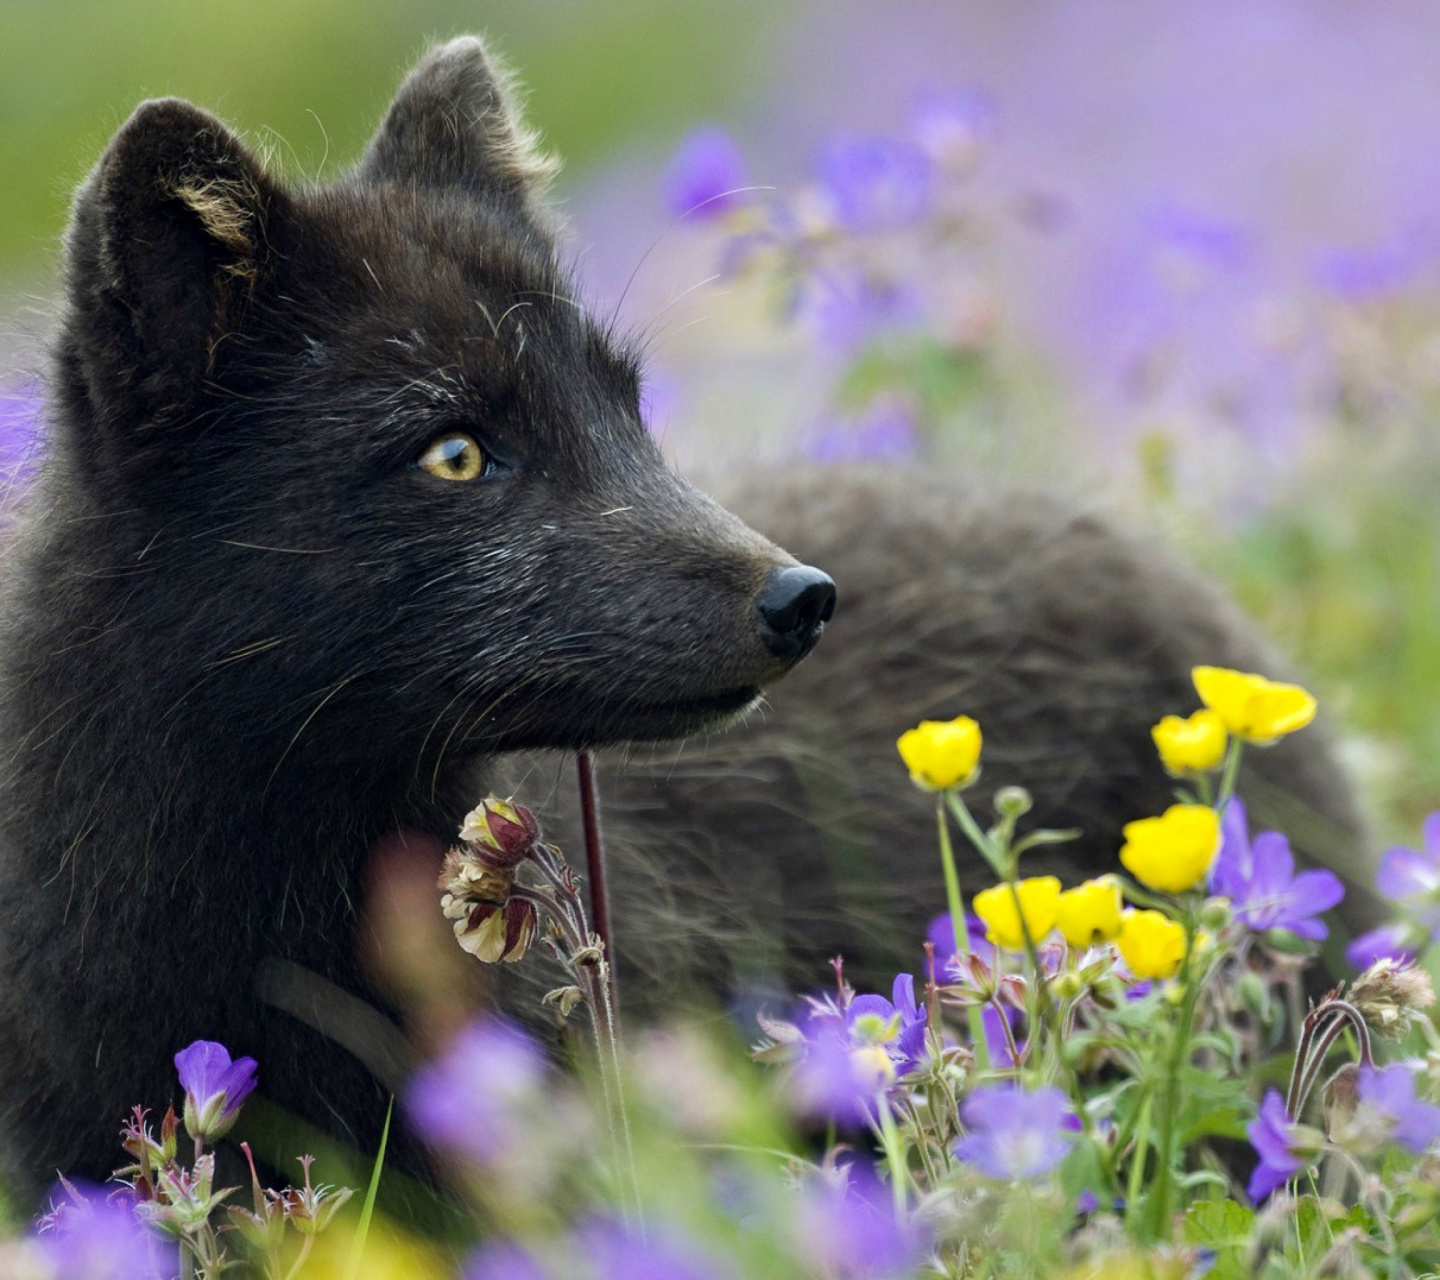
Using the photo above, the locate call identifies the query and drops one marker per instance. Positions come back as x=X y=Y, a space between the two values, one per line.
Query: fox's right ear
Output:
x=170 y=237
x=456 y=123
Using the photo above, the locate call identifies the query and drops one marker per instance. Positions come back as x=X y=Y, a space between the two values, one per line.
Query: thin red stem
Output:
x=595 y=860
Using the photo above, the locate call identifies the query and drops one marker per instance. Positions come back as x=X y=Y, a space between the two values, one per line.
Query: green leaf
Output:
x=357 y=1249
x=1224 y=1226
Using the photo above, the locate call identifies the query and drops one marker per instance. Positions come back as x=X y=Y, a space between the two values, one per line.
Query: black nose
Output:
x=794 y=608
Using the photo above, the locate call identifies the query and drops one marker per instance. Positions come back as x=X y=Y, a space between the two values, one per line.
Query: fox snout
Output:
x=794 y=607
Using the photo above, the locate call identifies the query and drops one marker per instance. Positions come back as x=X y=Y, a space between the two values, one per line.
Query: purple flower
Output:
x=1016 y=1133
x=1411 y=878
x=851 y=1232
x=215 y=1087
x=885 y=432
x=1391 y=1092
x=92 y=1234
x=662 y=1254
x=941 y=934
x=469 y=1099
x=849 y=309
x=1272 y=1134
x=897 y=1024
x=875 y=184
x=1362 y=275
x=1259 y=879
x=951 y=127
x=504 y=1261
x=705 y=175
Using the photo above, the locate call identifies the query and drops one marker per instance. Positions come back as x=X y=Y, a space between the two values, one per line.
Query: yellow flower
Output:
x=1039 y=899
x=1089 y=913
x=1173 y=852
x=1251 y=706
x=941 y=753
x=1190 y=746
x=1152 y=944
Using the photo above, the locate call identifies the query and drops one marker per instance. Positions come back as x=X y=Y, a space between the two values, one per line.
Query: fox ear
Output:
x=169 y=238
x=456 y=123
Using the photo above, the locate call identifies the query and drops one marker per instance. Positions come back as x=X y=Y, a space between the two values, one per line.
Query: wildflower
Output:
x=951 y=128
x=851 y=1229
x=492 y=933
x=615 y=1252
x=1392 y=996
x=848 y=309
x=1152 y=944
x=1283 y=1146
x=215 y=1087
x=1410 y=878
x=884 y=432
x=94 y=1235
x=1252 y=707
x=1173 y=852
x=1039 y=901
x=875 y=184
x=500 y=833
x=705 y=174
x=1389 y=1092
x=1016 y=1134
x=504 y=1261
x=897 y=1024
x=470 y=1100
x=1089 y=913
x=1259 y=879
x=311 y=1207
x=1192 y=745
x=941 y=753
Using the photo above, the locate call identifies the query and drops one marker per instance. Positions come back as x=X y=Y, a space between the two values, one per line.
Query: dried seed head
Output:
x=1392 y=996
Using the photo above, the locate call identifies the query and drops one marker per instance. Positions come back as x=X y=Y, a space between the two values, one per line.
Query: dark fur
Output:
x=245 y=640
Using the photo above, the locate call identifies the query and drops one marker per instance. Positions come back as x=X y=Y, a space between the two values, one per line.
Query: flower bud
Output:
x=214 y=1088
x=1341 y=1097
x=1215 y=914
x=499 y=832
x=1013 y=802
x=1068 y=986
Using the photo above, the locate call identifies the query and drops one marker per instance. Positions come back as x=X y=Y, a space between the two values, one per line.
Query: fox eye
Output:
x=454 y=456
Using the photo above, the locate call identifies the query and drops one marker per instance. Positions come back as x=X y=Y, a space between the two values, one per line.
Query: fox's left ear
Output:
x=456 y=123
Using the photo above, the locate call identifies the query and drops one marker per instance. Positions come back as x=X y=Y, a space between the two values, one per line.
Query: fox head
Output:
x=366 y=466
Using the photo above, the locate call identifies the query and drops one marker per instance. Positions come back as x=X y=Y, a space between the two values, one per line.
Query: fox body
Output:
x=345 y=499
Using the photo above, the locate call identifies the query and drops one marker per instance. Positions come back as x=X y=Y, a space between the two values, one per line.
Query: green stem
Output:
x=1170 y=1098
x=1228 y=775
x=1142 y=1150
x=894 y=1156
x=974 y=1020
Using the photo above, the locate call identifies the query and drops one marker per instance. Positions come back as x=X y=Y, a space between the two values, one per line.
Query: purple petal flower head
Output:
x=897 y=1025
x=93 y=1234
x=1365 y=275
x=850 y=1231
x=1411 y=879
x=875 y=184
x=469 y=1100
x=1015 y=1133
x=885 y=432
x=850 y=309
x=664 y=1253
x=952 y=128
x=215 y=1087
x=1272 y=1134
x=1193 y=247
x=504 y=1261
x=1390 y=1091
x=705 y=175
x=941 y=934
x=1259 y=879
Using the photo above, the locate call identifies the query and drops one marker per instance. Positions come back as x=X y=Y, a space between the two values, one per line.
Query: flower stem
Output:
x=974 y=1020
x=1170 y=1098
x=1228 y=775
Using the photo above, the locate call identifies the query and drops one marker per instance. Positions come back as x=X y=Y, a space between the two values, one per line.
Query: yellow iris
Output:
x=1089 y=913
x=1039 y=900
x=941 y=753
x=1252 y=707
x=1152 y=944
x=1173 y=852
x=1190 y=746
